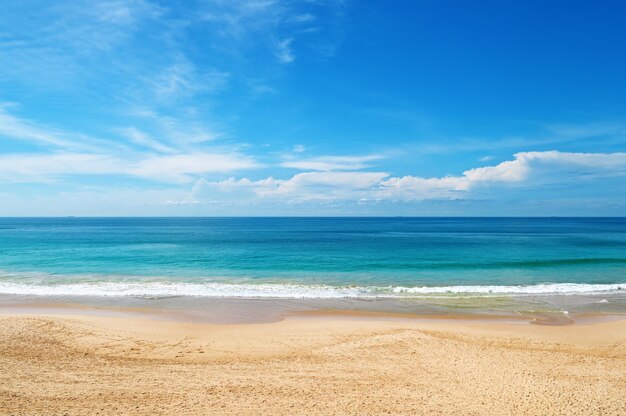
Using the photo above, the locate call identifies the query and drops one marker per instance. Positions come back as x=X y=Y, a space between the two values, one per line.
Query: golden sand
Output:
x=73 y=364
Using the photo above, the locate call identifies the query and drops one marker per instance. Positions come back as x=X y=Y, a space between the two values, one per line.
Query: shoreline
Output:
x=550 y=311
x=78 y=309
x=174 y=317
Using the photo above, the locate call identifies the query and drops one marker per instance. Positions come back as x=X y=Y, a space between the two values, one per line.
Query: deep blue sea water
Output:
x=311 y=257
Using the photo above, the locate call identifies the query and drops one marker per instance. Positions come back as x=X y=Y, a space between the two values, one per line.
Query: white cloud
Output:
x=329 y=180
x=55 y=43
x=182 y=167
x=183 y=135
x=142 y=139
x=182 y=78
x=16 y=128
x=273 y=25
x=44 y=167
x=302 y=186
x=416 y=188
x=178 y=168
x=550 y=166
x=588 y=131
x=527 y=168
x=21 y=129
x=299 y=148
x=125 y=12
x=330 y=163
x=181 y=131
x=284 y=52
x=70 y=153
x=509 y=171
x=238 y=19
x=303 y=18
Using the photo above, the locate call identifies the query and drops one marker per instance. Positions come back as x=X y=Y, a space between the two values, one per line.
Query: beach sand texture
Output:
x=73 y=364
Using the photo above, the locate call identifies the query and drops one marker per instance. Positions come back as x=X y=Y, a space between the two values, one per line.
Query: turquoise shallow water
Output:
x=311 y=257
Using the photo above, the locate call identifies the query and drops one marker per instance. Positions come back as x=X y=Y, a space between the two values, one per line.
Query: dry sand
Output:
x=77 y=364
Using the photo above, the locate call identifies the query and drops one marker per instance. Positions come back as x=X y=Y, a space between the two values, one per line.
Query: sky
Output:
x=312 y=107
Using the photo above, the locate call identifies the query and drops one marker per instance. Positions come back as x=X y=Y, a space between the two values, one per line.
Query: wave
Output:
x=525 y=264
x=292 y=291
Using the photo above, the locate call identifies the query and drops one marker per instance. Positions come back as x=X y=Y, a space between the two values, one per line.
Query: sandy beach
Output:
x=73 y=363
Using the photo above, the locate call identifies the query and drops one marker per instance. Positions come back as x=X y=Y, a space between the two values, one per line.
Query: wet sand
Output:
x=547 y=309
x=71 y=362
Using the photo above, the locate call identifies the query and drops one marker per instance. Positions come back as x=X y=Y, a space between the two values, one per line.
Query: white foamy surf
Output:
x=292 y=291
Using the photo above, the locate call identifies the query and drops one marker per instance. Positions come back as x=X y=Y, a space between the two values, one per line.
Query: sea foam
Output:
x=294 y=291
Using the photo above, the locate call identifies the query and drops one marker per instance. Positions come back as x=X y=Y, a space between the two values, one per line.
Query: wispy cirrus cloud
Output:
x=132 y=61
x=329 y=163
x=18 y=128
x=183 y=79
x=274 y=25
x=183 y=167
x=284 y=52
x=179 y=168
x=172 y=134
x=182 y=131
x=42 y=168
x=144 y=140
x=126 y=12
x=62 y=154
x=64 y=42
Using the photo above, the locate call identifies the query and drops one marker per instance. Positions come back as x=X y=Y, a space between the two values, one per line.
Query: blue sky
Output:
x=312 y=107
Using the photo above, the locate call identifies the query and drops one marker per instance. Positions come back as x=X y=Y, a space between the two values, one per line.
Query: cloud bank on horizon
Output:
x=326 y=107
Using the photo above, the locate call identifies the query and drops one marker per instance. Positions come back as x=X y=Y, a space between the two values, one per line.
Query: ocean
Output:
x=318 y=258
